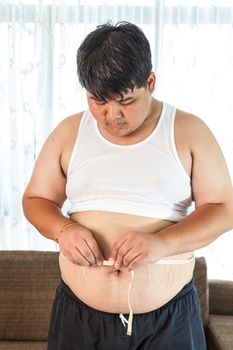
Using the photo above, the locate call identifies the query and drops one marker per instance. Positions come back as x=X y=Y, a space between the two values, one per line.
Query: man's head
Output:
x=113 y=60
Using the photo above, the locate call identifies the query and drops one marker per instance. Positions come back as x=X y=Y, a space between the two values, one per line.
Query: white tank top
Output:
x=145 y=179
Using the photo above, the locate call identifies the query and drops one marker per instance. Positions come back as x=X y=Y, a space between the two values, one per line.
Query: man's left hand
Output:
x=136 y=248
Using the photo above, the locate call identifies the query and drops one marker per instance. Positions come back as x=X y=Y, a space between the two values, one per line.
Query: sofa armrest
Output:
x=220 y=297
x=28 y=282
x=201 y=283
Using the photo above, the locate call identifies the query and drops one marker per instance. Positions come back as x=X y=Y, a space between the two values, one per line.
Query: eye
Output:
x=99 y=102
x=126 y=103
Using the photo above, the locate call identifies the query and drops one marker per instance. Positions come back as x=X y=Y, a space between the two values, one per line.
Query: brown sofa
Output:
x=28 y=280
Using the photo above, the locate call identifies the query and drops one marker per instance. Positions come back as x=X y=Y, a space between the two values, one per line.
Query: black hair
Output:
x=113 y=60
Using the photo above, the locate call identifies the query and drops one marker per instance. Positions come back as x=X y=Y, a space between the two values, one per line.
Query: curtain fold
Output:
x=192 y=50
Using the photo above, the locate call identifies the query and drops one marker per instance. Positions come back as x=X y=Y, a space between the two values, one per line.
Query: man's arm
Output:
x=212 y=194
x=213 y=197
x=45 y=195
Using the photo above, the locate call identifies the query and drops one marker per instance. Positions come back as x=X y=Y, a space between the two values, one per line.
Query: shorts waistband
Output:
x=184 y=291
x=66 y=289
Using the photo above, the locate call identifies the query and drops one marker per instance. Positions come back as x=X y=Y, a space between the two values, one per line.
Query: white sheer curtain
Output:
x=192 y=46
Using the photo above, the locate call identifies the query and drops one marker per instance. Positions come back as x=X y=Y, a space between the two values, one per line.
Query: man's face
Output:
x=123 y=117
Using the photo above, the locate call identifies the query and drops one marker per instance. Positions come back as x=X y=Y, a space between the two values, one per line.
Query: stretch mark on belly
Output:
x=159 y=262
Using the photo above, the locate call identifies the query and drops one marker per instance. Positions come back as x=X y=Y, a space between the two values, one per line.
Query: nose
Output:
x=113 y=110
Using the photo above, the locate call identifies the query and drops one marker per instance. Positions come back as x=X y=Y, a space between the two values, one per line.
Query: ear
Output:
x=151 y=82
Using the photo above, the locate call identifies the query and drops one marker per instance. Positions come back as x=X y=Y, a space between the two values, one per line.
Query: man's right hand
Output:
x=78 y=245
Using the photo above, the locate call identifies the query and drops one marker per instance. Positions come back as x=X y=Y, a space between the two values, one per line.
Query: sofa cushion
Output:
x=28 y=282
x=14 y=345
x=220 y=332
x=221 y=297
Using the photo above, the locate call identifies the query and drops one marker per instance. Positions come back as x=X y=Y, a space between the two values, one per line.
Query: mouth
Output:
x=116 y=126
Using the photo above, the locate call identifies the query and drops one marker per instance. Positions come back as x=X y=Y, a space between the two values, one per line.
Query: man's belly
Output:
x=106 y=289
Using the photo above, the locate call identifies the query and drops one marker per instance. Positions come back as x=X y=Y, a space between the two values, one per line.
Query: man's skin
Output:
x=131 y=242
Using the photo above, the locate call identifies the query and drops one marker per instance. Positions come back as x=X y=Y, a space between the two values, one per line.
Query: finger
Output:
x=77 y=258
x=96 y=252
x=115 y=248
x=122 y=252
x=113 y=254
x=135 y=262
x=86 y=252
x=130 y=256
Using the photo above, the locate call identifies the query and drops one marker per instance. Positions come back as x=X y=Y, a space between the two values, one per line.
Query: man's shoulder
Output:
x=193 y=129
x=66 y=131
x=187 y=117
x=68 y=126
x=188 y=122
x=71 y=121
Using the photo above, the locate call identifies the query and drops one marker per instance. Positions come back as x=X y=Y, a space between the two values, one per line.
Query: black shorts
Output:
x=175 y=326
